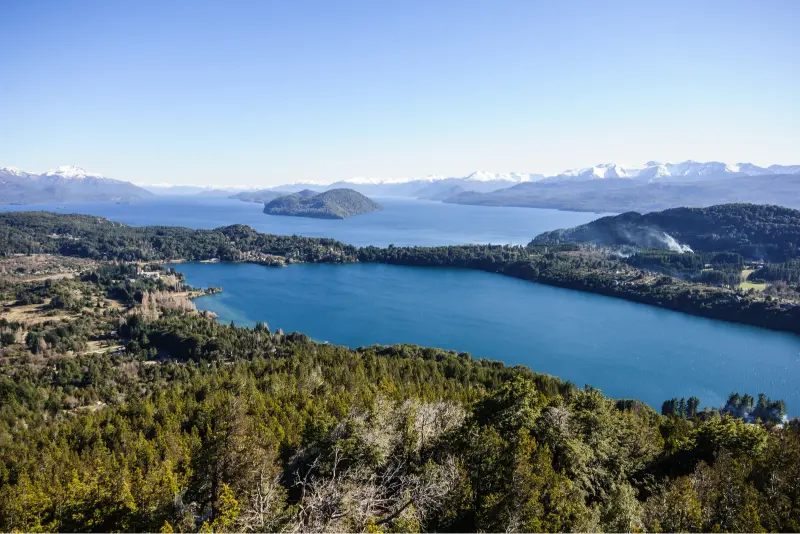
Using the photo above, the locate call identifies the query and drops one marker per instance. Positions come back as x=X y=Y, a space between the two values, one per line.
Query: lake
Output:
x=403 y=222
x=625 y=349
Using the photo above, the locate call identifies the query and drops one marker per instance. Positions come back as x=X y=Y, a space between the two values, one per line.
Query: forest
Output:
x=331 y=204
x=757 y=232
x=185 y=424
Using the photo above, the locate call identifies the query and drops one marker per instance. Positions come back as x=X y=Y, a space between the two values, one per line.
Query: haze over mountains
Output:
x=482 y=181
x=607 y=187
x=63 y=184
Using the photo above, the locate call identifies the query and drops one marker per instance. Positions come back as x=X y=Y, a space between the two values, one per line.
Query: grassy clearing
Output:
x=31 y=314
x=745 y=285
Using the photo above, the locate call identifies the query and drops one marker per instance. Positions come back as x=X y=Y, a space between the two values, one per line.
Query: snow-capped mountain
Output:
x=72 y=172
x=437 y=186
x=686 y=171
x=12 y=171
x=598 y=172
x=63 y=184
x=426 y=187
x=515 y=177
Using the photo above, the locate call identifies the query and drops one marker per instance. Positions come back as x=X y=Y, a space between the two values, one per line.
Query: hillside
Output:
x=64 y=184
x=620 y=195
x=333 y=204
x=755 y=231
x=261 y=196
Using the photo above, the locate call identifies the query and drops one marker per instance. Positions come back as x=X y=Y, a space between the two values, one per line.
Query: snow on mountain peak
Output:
x=483 y=176
x=72 y=172
x=598 y=172
x=13 y=170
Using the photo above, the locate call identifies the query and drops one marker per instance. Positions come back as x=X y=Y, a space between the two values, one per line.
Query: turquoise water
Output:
x=625 y=349
x=401 y=222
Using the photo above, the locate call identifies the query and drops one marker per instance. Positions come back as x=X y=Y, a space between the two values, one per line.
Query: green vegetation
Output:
x=199 y=426
x=787 y=272
x=87 y=236
x=748 y=284
x=755 y=232
x=332 y=204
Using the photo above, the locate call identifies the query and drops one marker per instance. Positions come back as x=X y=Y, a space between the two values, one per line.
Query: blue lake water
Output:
x=401 y=222
x=625 y=349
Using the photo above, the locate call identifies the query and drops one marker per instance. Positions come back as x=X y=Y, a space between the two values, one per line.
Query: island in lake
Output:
x=333 y=204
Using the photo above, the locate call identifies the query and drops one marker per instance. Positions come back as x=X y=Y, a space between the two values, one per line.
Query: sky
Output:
x=265 y=93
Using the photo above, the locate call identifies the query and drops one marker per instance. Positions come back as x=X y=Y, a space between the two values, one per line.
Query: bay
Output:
x=628 y=350
x=402 y=222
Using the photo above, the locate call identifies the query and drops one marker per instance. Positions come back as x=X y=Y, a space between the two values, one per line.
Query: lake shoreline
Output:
x=576 y=335
x=581 y=285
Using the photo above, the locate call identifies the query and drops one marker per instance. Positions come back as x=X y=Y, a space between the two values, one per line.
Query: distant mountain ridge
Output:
x=673 y=172
x=604 y=196
x=332 y=204
x=435 y=187
x=260 y=196
x=67 y=183
x=652 y=170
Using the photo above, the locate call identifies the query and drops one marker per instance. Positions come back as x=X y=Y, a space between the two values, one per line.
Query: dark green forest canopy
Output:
x=757 y=232
x=332 y=204
x=98 y=238
x=199 y=425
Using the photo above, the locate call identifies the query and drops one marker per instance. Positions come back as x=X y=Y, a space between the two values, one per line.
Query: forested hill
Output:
x=94 y=237
x=333 y=204
x=755 y=231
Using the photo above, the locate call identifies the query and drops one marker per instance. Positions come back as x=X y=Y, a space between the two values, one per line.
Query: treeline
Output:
x=715 y=268
x=739 y=406
x=788 y=272
x=204 y=426
x=97 y=238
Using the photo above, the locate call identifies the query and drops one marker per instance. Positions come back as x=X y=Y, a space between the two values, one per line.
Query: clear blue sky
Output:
x=270 y=92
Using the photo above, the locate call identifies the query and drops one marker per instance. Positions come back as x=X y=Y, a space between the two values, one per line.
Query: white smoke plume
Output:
x=651 y=238
x=673 y=245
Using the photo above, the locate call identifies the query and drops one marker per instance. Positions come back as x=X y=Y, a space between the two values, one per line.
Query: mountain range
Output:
x=64 y=184
x=687 y=171
x=482 y=182
x=607 y=187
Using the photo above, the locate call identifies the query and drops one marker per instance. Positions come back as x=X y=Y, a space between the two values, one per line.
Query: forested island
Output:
x=332 y=204
x=125 y=409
